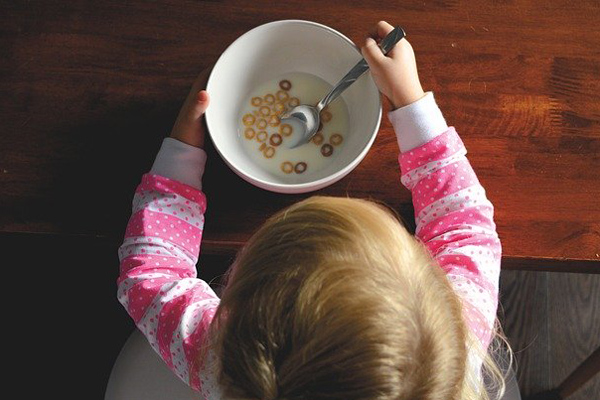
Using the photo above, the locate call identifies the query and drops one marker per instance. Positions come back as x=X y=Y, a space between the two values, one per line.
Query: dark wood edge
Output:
x=229 y=249
x=551 y=264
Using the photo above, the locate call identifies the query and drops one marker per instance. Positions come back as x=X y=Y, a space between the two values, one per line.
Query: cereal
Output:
x=262 y=136
x=262 y=123
x=269 y=152
x=249 y=133
x=285 y=84
x=327 y=150
x=279 y=108
x=264 y=111
x=285 y=129
x=336 y=139
x=287 y=167
x=274 y=121
x=275 y=139
x=269 y=99
x=282 y=95
x=318 y=139
x=249 y=119
x=265 y=130
x=300 y=167
x=279 y=114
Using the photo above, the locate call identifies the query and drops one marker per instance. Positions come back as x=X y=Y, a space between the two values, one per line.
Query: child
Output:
x=331 y=298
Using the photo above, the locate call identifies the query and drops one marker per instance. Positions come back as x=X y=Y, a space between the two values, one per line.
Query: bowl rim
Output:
x=291 y=188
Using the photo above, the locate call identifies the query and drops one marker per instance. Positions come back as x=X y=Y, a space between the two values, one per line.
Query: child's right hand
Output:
x=395 y=74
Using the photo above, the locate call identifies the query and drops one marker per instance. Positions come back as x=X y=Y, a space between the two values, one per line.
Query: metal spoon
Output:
x=308 y=117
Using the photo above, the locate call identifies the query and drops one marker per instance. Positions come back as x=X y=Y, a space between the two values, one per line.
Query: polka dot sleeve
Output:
x=157 y=284
x=455 y=221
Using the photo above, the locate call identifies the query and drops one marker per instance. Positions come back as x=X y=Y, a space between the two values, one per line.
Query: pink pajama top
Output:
x=173 y=308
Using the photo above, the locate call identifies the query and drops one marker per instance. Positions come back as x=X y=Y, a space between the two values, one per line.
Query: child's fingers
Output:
x=197 y=100
x=380 y=30
x=383 y=29
x=189 y=126
x=201 y=80
x=200 y=104
x=372 y=53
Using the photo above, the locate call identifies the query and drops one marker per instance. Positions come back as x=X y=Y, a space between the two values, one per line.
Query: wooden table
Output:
x=89 y=90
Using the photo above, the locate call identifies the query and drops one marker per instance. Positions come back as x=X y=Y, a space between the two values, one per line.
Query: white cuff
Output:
x=181 y=162
x=417 y=123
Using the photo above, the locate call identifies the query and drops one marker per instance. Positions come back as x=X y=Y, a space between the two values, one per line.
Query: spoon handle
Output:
x=361 y=67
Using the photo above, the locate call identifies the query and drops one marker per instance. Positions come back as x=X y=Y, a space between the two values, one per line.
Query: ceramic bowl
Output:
x=272 y=50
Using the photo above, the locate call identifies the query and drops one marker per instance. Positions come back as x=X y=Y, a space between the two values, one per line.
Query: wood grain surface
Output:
x=552 y=321
x=574 y=312
x=523 y=312
x=88 y=90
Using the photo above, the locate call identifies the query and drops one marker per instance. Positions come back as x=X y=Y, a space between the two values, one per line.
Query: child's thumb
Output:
x=372 y=53
x=201 y=104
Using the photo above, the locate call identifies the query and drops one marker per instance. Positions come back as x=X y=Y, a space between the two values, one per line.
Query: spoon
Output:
x=307 y=117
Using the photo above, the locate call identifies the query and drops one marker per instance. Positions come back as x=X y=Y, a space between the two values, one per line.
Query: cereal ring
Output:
x=262 y=147
x=285 y=129
x=285 y=84
x=327 y=150
x=278 y=113
x=282 y=95
x=318 y=139
x=336 y=139
x=279 y=106
x=287 y=167
x=275 y=139
x=249 y=133
x=269 y=99
x=326 y=116
x=293 y=102
x=264 y=111
x=256 y=101
x=269 y=152
x=262 y=123
x=300 y=167
x=248 y=119
x=262 y=136
x=274 y=121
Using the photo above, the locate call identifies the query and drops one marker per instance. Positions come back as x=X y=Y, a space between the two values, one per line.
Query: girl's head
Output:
x=333 y=299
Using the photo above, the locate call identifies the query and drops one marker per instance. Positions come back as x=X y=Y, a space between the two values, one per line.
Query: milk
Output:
x=308 y=89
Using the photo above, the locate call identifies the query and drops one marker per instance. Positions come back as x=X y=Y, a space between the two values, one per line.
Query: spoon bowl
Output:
x=305 y=120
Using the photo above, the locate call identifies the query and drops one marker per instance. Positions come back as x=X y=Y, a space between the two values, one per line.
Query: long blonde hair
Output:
x=332 y=298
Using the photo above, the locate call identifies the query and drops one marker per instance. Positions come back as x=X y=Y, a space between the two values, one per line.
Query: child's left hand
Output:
x=189 y=127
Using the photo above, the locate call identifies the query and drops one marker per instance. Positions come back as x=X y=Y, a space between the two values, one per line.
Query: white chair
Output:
x=140 y=374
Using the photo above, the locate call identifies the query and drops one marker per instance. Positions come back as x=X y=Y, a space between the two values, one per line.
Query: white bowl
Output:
x=267 y=52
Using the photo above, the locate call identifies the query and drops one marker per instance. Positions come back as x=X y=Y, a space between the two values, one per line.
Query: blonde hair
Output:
x=332 y=298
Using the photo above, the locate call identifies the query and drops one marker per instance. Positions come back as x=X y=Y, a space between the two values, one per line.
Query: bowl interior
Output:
x=270 y=51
